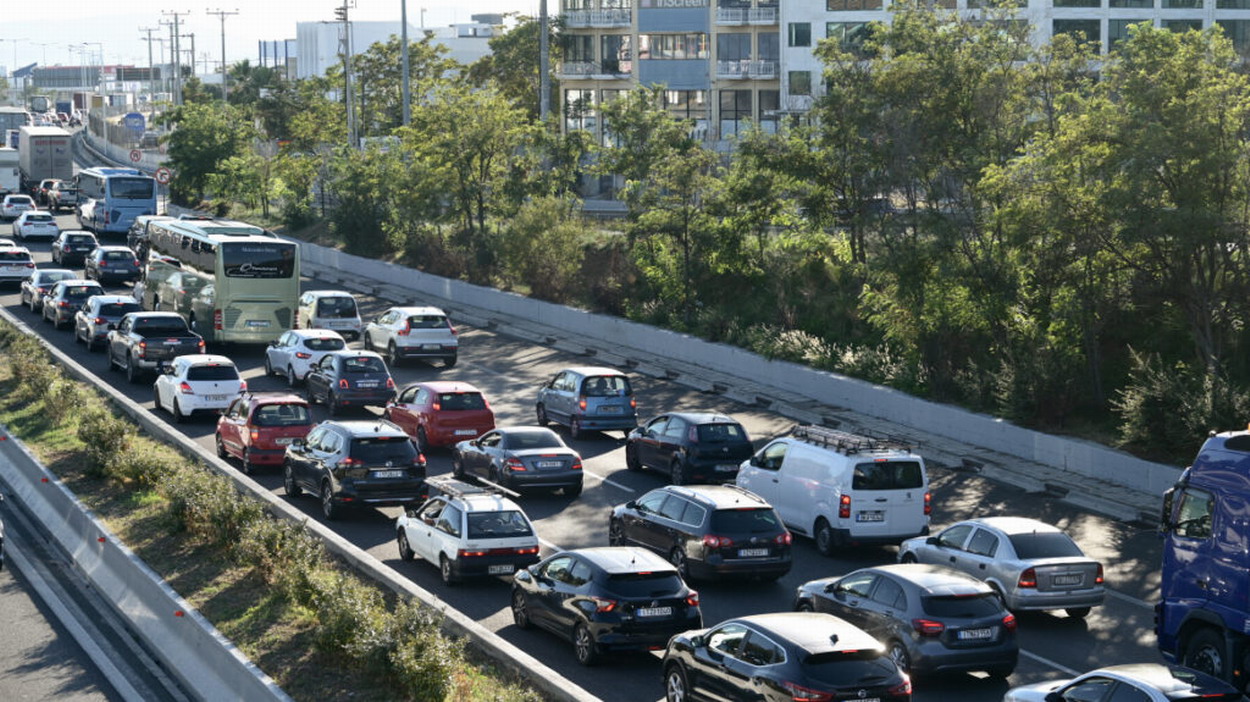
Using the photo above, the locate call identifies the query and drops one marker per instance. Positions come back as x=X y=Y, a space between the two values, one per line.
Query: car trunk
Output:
x=887 y=498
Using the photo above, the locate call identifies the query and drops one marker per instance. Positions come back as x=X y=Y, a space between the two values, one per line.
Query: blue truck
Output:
x=1203 y=617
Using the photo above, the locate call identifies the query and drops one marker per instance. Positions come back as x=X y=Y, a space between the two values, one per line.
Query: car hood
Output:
x=1033 y=693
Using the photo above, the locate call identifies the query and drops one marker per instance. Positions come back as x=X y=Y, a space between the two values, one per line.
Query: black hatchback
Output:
x=343 y=379
x=778 y=657
x=706 y=531
x=690 y=447
x=605 y=599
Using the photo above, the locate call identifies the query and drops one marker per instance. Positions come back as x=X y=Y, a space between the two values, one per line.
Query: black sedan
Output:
x=605 y=599
x=343 y=379
x=690 y=447
x=781 y=656
x=520 y=458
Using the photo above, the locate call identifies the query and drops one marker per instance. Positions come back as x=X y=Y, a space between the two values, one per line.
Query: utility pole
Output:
x=177 y=54
x=403 y=43
x=191 y=36
x=151 y=74
x=341 y=13
x=544 y=77
x=222 y=15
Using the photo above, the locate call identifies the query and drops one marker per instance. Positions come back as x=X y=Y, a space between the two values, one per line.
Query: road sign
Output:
x=163 y=175
x=135 y=122
x=136 y=155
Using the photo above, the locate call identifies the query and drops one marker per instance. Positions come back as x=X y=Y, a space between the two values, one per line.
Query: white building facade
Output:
x=320 y=44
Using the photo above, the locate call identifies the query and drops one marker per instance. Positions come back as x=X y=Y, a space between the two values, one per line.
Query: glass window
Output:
x=616 y=53
x=983 y=543
x=363 y=364
x=131 y=188
x=955 y=536
x=673 y=508
x=213 y=372
x=859 y=584
x=1238 y=31
x=1149 y=4
x=770 y=104
x=693 y=515
x=325 y=344
x=532 y=439
x=1193 y=517
x=283 y=415
x=1181 y=4
x=800 y=83
x=889 y=593
x=656 y=427
x=579 y=109
x=962 y=606
x=1085 y=30
x=458 y=401
x=1045 y=544
x=727 y=639
x=686 y=104
x=645 y=584
x=579 y=48
x=849 y=35
x=378 y=450
x=758 y=650
x=733 y=47
x=558 y=568
x=1077 y=3
x=651 y=501
x=888 y=475
x=258 y=260
x=851 y=5
x=428 y=321
x=1088 y=690
x=1127 y=693
x=672 y=46
x=606 y=386
x=800 y=34
x=675 y=430
x=579 y=575
x=1182 y=25
x=721 y=433
x=770 y=458
x=762 y=520
x=735 y=111
x=770 y=46
x=1117 y=29
x=498 y=525
x=1232 y=4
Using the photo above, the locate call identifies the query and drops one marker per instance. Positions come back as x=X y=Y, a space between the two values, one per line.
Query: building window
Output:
x=689 y=105
x=851 y=5
x=575 y=5
x=977 y=4
x=579 y=48
x=800 y=83
x=1238 y=31
x=1147 y=4
x=1083 y=30
x=579 y=110
x=672 y=46
x=733 y=47
x=800 y=34
x=1117 y=30
x=770 y=105
x=735 y=110
x=1232 y=4
x=849 y=35
x=770 y=46
x=1182 y=4
x=1182 y=25
x=616 y=53
x=1077 y=3
x=614 y=4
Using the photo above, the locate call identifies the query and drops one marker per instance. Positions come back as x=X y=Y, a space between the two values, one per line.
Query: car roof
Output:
x=357 y=427
x=1167 y=678
x=703 y=417
x=154 y=314
x=204 y=359
x=316 y=333
x=75 y=231
x=485 y=503
x=441 y=386
x=329 y=293
x=934 y=579
x=275 y=398
x=810 y=631
x=1015 y=525
x=615 y=560
x=593 y=370
x=110 y=247
x=77 y=281
x=110 y=299
x=56 y=270
x=522 y=427
x=354 y=353
x=721 y=496
x=419 y=310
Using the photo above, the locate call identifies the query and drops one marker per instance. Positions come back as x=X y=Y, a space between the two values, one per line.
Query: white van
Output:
x=329 y=309
x=841 y=488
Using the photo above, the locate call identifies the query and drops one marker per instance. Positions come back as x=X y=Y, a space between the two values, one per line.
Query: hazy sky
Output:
x=43 y=32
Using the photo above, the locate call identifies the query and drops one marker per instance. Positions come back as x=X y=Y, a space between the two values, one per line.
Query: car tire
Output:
x=292 y=379
x=392 y=355
x=677 y=472
x=575 y=428
x=405 y=549
x=584 y=646
x=332 y=404
x=1077 y=612
x=616 y=533
x=908 y=557
x=804 y=606
x=132 y=373
x=328 y=506
x=571 y=491
x=445 y=571
x=77 y=337
x=368 y=343
x=449 y=362
x=631 y=459
x=898 y=653
x=221 y=447
x=1001 y=672
x=423 y=441
x=312 y=396
x=179 y=418
x=245 y=463
x=268 y=367
x=675 y=687
x=826 y=540
x=520 y=610
x=289 y=486
x=108 y=353
x=678 y=558
x=540 y=416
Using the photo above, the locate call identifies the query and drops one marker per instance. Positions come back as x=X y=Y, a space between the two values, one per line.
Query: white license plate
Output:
x=258 y=322
x=215 y=398
x=975 y=634
x=727 y=468
x=431 y=347
x=388 y=473
x=284 y=441
x=875 y=516
x=548 y=464
x=14 y=268
x=466 y=432
x=500 y=569
x=610 y=409
x=752 y=552
x=338 y=325
x=654 y=612
x=367 y=384
x=1066 y=580
x=171 y=342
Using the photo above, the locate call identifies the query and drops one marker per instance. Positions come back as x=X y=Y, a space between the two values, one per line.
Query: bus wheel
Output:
x=1204 y=652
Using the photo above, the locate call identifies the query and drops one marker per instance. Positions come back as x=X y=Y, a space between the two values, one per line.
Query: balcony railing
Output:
x=731 y=15
x=763 y=70
x=762 y=15
x=597 y=18
x=737 y=68
x=575 y=70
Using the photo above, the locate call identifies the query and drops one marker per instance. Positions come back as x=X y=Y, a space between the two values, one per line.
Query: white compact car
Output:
x=413 y=332
x=295 y=352
x=35 y=224
x=1134 y=682
x=467 y=531
x=329 y=309
x=14 y=205
x=198 y=382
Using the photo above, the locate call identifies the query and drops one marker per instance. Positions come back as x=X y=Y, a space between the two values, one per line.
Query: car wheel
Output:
x=616 y=533
x=575 y=428
x=312 y=396
x=631 y=458
x=289 y=486
x=804 y=606
x=520 y=610
x=445 y=571
x=573 y=490
x=423 y=441
x=677 y=472
x=825 y=539
x=179 y=418
x=898 y=653
x=368 y=342
x=392 y=355
x=449 y=362
x=246 y=463
x=908 y=557
x=405 y=549
x=584 y=646
x=332 y=404
x=1077 y=612
x=291 y=379
x=221 y=448
x=1001 y=672
x=108 y=352
x=268 y=366
x=78 y=337
x=675 y=684
x=132 y=373
x=541 y=416
x=678 y=558
x=328 y=507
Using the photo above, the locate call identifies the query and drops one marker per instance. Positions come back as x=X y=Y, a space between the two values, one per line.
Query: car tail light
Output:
x=1098 y=576
x=577 y=465
x=581 y=403
x=30 y=264
x=254 y=435
x=603 y=604
x=1009 y=622
x=714 y=541
x=633 y=404
x=390 y=383
x=692 y=435
x=798 y=693
x=349 y=462
x=454 y=332
x=515 y=464
x=242 y=386
x=693 y=598
x=217 y=320
x=200 y=344
x=343 y=383
x=419 y=460
x=436 y=406
x=295 y=324
x=1028 y=578
x=65 y=248
x=784 y=539
x=143 y=349
x=844 y=507
x=465 y=553
x=63 y=303
x=903 y=688
x=928 y=503
x=303 y=355
x=928 y=627
x=106 y=216
x=527 y=551
x=185 y=388
x=99 y=321
x=136 y=262
x=404 y=332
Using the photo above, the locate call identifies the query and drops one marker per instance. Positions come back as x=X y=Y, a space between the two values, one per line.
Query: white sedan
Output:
x=14 y=205
x=298 y=350
x=35 y=223
x=197 y=382
x=1135 y=682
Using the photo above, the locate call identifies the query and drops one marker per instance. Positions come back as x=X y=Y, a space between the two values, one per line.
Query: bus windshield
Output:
x=258 y=259
x=131 y=188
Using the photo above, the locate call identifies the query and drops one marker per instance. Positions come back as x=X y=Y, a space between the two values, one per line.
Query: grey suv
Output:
x=588 y=398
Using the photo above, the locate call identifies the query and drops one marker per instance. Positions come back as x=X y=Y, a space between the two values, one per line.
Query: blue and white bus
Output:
x=111 y=198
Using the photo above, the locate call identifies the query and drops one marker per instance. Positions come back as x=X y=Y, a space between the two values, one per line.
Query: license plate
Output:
x=367 y=384
x=654 y=612
x=611 y=409
x=215 y=398
x=1066 y=580
x=14 y=268
x=431 y=347
x=500 y=569
x=465 y=432
x=548 y=464
x=82 y=248
x=388 y=473
x=875 y=516
x=284 y=441
x=257 y=322
x=752 y=552
x=974 y=634
x=172 y=342
x=727 y=468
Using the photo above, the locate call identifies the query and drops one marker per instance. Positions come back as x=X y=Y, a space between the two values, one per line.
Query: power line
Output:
x=222 y=15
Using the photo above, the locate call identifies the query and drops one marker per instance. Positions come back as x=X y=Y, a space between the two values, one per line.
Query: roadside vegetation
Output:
x=313 y=625
x=1054 y=237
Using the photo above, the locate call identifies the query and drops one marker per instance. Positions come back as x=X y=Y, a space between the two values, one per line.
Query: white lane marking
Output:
x=609 y=481
x=1046 y=661
x=1130 y=599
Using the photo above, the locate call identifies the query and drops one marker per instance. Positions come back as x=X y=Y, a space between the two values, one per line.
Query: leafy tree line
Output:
x=1050 y=235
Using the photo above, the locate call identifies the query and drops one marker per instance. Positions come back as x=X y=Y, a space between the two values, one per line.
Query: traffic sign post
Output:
x=136 y=155
x=163 y=175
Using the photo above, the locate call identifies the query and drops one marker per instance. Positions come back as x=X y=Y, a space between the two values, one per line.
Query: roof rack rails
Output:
x=848 y=443
x=453 y=487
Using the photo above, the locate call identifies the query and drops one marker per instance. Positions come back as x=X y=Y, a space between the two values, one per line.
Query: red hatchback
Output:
x=257 y=428
x=441 y=413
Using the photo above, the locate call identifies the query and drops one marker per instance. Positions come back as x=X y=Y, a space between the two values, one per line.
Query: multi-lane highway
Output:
x=509 y=371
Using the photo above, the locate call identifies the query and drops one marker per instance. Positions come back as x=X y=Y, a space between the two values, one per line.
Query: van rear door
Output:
x=887 y=498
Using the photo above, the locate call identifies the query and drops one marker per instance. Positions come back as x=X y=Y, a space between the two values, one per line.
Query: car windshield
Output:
x=363 y=364
x=452 y=401
x=427 y=321
x=965 y=606
x=283 y=415
x=215 y=371
x=162 y=325
x=720 y=433
x=119 y=256
x=117 y=309
x=745 y=521
x=605 y=386
x=38 y=218
x=888 y=475
x=328 y=343
x=380 y=449
x=644 y=584
x=1045 y=544
x=849 y=668
x=336 y=307
x=532 y=439
x=498 y=525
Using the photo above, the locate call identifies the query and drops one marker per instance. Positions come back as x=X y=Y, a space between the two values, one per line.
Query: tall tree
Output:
x=378 y=76
x=205 y=137
x=512 y=65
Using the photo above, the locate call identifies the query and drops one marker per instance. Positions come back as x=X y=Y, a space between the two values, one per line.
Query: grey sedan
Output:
x=1031 y=564
x=520 y=457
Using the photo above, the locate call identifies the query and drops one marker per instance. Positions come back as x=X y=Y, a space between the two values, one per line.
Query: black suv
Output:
x=706 y=531
x=691 y=447
x=781 y=656
x=359 y=463
x=605 y=599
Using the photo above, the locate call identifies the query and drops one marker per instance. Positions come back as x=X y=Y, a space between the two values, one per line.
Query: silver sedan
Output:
x=1031 y=564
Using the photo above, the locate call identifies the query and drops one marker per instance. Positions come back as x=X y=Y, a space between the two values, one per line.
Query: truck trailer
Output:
x=10 y=172
x=44 y=153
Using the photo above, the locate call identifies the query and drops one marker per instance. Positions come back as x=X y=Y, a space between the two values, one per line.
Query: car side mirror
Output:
x=697 y=641
x=631 y=504
x=273 y=343
x=830 y=587
x=931 y=541
x=428 y=520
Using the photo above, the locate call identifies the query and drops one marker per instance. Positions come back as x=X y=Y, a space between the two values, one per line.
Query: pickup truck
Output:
x=142 y=342
x=62 y=196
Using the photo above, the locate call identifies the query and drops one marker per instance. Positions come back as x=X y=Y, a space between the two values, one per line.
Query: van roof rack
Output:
x=848 y=443
x=458 y=488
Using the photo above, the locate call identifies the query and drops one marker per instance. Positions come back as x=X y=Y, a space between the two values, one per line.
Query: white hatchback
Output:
x=329 y=309
x=33 y=224
x=294 y=353
x=197 y=382
x=14 y=205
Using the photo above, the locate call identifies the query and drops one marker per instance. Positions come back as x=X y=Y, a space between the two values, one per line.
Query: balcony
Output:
x=573 y=70
x=763 y=70
x=597 y=18
x=737 y=68
x=762 y=15
x=591 y=70
x=731 y=15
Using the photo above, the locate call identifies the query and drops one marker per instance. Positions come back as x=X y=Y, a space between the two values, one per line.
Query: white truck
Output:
x=44 y=153
x=10 y=172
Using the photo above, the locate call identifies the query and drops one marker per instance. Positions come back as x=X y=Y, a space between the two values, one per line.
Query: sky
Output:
x=44 y=32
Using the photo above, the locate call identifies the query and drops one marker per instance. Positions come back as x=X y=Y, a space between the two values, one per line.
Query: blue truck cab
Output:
x=1203 y=617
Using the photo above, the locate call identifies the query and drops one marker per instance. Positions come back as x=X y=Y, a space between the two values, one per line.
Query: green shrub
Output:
x=66 y=397
x=284 y=554
x=105 y=438
x=421 y=659
x=350 y=617
x=147 y=469
x=208 y=505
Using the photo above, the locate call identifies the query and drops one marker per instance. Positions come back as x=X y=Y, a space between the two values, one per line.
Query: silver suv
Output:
x=413 y=332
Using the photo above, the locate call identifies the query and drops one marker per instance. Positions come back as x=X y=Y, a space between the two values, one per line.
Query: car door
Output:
x=300 y=456
x=280 y=352
x=978 y=556
x=426 y=539
x=708 y=677
x=379 y=330
x=847 y=598
x=670 y=442
x=761 y=475
x=323 y=457
x=1091 y=689
x=448 y=534
x=949 y=549
x=636 y=524
x=403 y=412
x=544 y=597
x=884 y=609
x=560 y=405
x=318 y=379
x=230 y=423
x=648 y=440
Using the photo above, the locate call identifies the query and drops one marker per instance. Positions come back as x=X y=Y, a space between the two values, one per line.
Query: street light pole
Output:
x=177 y=54
x=544 y=77
x=403 y=38
x=222 y=15
x=151 y=73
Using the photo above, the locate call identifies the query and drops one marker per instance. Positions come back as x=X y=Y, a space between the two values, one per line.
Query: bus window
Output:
x=257 y=260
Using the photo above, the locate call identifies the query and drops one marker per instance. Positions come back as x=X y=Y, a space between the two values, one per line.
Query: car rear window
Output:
x=117 y=309
x=498 y=525
x=80 y=239
x=849 y=668
x=160 y=326
x=19 y=200
x=427 y=321
x=745 y=521
x=284 y=415
x=888 y=475
x=644 y=584
x=38 y=218
x=46 y=278
x=461 y=401
x=979 y=605
x=380 y=449
x=328 y=343
x=363 y=364
x=336 y=307
x=531 y=440
x=14 y=256
x=119 y=256
x=213 y=372
x=81 y=292
x=1048 y=544
x=605 y=386
x=720 y=433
